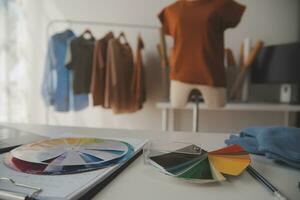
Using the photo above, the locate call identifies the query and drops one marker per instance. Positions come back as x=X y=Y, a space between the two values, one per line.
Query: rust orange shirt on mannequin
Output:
x=198 y=31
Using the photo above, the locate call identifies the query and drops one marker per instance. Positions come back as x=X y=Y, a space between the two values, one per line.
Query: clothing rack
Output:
x=99 y=23
x=93 y=23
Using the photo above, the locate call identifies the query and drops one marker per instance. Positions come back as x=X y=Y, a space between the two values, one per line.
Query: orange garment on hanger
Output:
x=198 y=31
x=99 y=69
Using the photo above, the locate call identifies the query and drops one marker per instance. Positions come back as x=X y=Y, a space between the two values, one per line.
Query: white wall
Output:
x=274 y=21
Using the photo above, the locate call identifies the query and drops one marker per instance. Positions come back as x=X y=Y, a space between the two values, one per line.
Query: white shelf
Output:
x=275 y=107
x=168 y=114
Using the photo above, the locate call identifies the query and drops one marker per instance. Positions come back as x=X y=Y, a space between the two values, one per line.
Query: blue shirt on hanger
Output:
x=56 y=87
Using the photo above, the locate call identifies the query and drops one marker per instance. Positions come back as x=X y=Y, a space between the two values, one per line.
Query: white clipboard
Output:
x=16 y=185
x=17 y=191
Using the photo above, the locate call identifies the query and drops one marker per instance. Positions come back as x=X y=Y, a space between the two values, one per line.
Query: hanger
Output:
x=89 y=33
x=68 y=27
x=110 y=34
x=122 y=35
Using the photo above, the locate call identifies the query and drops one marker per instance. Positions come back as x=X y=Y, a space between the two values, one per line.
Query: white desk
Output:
x=143 y=182
x=287 y=109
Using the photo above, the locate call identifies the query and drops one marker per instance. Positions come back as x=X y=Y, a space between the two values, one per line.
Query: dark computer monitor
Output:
x=277 y=64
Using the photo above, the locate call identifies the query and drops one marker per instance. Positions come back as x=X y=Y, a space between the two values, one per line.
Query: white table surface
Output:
x=143 y=182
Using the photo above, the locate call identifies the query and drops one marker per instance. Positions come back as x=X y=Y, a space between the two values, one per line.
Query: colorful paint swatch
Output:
x=232 y=160
x=191 y=163
x=67 y=155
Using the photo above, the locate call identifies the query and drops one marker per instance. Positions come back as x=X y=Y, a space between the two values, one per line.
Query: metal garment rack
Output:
x=53 y=22
x=99 y=23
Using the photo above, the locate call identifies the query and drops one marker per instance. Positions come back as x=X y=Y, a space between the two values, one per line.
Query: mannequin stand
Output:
x=195 y=97
x=181 y=93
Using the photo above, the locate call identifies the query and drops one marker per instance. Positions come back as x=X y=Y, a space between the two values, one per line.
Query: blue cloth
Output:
x=278 y=143
x=56 y=88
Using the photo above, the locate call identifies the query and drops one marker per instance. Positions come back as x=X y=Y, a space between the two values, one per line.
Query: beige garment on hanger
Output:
x=119 y=73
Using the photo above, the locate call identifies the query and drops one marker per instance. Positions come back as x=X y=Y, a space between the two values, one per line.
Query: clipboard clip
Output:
x=12 y=195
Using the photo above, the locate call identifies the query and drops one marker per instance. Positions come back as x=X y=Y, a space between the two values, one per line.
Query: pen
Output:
x=255 y=174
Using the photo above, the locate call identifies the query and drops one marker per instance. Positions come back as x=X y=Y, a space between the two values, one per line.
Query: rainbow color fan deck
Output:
x=197 y=165
x=68 y=155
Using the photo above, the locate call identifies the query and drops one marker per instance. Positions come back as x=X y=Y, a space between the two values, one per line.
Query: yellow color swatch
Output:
x=216 y=174
x=244 y=157
x=229 y=166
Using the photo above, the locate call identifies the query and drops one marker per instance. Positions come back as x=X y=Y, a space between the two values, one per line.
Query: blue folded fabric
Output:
x=278 y=143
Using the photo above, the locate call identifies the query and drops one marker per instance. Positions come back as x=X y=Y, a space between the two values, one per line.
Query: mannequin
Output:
x=214 y=97
x=197 y=61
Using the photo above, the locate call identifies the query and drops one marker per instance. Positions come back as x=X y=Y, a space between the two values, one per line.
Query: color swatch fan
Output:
x=192 y=163
x=68 y=155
